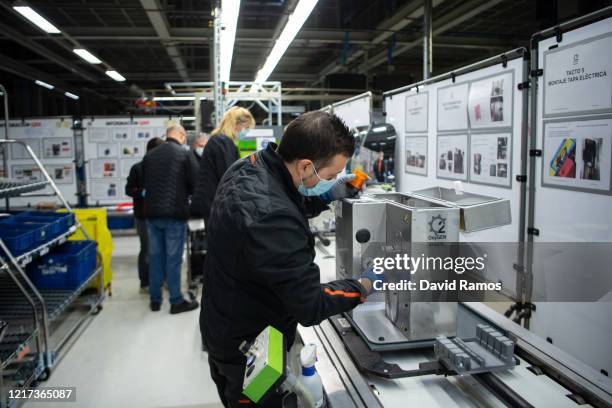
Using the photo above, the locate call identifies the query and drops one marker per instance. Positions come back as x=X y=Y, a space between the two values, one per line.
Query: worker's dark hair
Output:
x=317 y=136
x=153 y=143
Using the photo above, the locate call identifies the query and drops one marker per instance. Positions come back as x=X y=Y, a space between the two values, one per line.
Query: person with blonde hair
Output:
x=220 y=153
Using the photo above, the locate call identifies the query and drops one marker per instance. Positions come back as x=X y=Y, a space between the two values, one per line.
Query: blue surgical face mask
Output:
x=321 y=187
x=242 y=134
x=199 y=151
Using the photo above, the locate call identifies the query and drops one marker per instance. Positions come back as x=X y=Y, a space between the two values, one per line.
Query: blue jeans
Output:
x=166 y=242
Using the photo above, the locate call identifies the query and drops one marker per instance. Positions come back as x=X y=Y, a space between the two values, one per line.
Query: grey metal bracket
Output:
x=489 y=351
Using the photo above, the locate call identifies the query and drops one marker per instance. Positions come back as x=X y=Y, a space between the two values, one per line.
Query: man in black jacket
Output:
x=169 y=173
x=134 y=189
x=260 y=266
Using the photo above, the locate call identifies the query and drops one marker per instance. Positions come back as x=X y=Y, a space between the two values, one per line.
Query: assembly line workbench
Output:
x=346 y=386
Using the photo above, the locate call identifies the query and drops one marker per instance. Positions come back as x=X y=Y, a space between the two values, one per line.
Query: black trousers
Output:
x=228 y=378
x=143 y=255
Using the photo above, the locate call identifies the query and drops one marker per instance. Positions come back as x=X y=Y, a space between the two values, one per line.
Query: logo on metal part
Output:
x=437 y=227
x=576 y=59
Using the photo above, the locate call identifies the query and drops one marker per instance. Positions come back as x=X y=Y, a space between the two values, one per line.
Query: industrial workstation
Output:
x=305 y=203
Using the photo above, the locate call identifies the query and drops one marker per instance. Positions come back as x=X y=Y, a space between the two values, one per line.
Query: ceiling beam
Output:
x=44 y=51
x=157 y=76
x=458 y=15
x=18 y=68
x=156 y=15
x=248 y=36
x=402 y=18
x=192 y=34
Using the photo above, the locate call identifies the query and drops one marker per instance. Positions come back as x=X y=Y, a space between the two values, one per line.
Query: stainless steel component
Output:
x=366 y=217
x=385 y=225
x=478 y=212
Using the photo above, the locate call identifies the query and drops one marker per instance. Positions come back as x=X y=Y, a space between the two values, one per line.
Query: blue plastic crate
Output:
x=16 y=240
x=64 y=220
x=41 y=230
x=65 y=267
x=54 y=228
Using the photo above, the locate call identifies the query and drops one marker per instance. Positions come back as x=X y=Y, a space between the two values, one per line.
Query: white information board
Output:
x=578 y=77
x=577 y=153
x=467 y=153
x=452 y=107
x=452 y=156
x=52 y=140
x=416 y=154
x=490 y=155
x=112 y=146
x=356 y=111
x=417 y=110
x=572 y=178
x=490 y=102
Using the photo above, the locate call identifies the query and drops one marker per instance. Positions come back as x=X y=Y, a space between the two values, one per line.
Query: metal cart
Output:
x=35 y=329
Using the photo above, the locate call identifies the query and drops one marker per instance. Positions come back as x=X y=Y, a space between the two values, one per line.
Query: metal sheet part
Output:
x=385 y=225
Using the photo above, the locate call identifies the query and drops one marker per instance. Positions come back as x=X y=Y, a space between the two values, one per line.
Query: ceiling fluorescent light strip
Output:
x=229 y=21
x=71 y=95
x=293 y=26
x=87 y=56
x=36 y=19
x=116 y=76
x=44 y=84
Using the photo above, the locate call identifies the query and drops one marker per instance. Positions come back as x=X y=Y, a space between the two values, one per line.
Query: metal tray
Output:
x=478 y=212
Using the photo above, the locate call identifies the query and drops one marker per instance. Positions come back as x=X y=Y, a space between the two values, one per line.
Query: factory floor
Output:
x=129 y=356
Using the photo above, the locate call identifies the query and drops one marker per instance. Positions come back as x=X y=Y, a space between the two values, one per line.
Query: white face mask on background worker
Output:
x=241 y=134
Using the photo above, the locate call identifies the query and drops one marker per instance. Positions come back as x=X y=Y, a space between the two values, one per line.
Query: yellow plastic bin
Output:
x=93 y=221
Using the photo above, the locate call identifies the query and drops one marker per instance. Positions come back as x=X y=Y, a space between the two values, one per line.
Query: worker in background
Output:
x=169 y=178
x=380 y=167
x=260 y=266
x=220 y=153
x=198 y=145
x=134 y=189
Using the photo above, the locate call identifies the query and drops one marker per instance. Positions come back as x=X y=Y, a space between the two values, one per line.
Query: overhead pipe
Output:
x=427 y=38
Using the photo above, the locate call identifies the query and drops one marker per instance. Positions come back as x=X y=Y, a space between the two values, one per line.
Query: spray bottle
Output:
x=310 y=378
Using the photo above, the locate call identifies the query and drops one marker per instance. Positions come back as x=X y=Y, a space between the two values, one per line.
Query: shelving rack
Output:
x=30 y=345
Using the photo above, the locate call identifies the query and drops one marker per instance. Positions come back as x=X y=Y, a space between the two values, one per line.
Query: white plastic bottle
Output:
x=310 y=378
